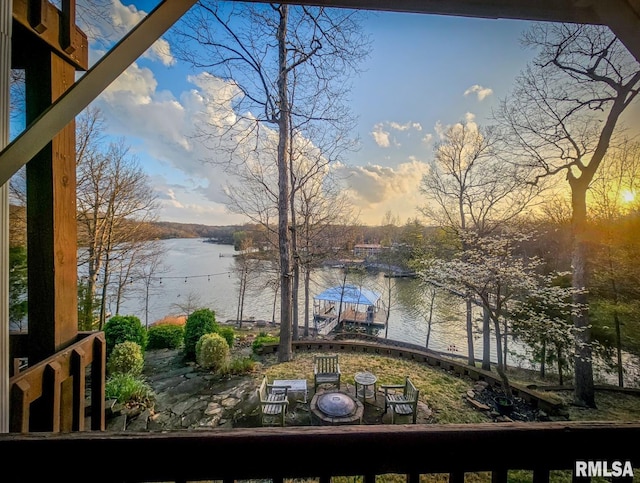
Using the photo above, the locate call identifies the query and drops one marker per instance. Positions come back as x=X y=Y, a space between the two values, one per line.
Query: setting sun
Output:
x=628 y=196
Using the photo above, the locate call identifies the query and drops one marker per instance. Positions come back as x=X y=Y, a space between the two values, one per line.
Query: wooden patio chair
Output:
x=273 y=404
x=403 y=403
x=326 y=370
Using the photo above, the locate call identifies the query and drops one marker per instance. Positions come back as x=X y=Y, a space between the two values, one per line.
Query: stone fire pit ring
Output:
x=336 y=408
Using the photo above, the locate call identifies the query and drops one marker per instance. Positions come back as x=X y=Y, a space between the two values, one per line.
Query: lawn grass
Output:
x=442 y=392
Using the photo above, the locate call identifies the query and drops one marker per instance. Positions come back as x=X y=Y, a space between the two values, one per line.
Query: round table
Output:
x=365 y=385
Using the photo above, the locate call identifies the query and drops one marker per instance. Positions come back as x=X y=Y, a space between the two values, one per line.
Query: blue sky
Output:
x=425 y=72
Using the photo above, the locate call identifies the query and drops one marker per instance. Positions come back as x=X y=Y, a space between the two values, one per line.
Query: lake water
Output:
x=199 y=274
x=196 y=271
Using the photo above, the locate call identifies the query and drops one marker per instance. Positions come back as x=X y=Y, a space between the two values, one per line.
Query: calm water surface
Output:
x=199 y=274
x=203 y=274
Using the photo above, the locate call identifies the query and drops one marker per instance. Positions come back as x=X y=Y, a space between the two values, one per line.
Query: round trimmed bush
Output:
x=126 y=358
x=122 y=328
x=199 y=323
x=228 y=334
x=212 y=351
x=165 y=336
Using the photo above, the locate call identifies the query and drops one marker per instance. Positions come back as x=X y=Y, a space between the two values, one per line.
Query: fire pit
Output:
x=336 y=407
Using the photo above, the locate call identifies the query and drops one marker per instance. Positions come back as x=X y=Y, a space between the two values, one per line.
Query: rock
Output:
x=117 y=423
x=480 y=385
x=139 y=423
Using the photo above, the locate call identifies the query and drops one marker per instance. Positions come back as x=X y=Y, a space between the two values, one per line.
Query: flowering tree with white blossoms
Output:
x=504 y=281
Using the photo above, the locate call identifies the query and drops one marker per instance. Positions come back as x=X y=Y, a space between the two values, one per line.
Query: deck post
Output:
x=6 y=8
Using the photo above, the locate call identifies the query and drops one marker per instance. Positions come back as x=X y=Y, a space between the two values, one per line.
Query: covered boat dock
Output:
x=348 y=306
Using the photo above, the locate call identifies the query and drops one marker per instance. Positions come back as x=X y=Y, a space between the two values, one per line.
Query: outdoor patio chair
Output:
x=272 y=403
x=326 y=370
x=403 y=403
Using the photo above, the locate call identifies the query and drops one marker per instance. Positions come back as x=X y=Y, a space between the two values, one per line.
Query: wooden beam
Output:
x=53 y=27
x=51 y=210
x=579 y=11
x=623 y=18
x=98 y=78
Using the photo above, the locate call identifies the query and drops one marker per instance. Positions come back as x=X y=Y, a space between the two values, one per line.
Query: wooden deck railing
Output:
x=50 y=395
x=323 y=452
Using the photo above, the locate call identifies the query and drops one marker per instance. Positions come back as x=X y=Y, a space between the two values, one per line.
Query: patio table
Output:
x=365 y=385
x=295 y=385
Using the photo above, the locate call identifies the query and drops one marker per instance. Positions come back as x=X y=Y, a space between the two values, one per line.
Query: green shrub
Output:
x=240 y=365
x=228 y=334
x=126 y=358
x=199 y=323
x=263 y=339
x=128 y=389
x=212 y=351
x=122 y=328
x=165 y=336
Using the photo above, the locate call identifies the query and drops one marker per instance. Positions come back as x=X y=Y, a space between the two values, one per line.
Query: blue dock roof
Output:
x=350 y=294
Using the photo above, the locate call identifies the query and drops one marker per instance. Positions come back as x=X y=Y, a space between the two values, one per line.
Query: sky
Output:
x=424 y=73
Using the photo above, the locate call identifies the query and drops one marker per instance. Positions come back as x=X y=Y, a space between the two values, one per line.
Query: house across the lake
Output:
x=367 y=249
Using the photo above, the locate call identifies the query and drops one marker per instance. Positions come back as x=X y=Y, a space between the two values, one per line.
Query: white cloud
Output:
x=107 y=24
x=380 y=136
x=406 y=126
x=469 y=121
x=481 y=92
x=190 y=138
x=375 y=189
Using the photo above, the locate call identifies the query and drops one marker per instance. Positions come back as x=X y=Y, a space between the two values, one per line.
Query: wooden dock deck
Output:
x=324 y=324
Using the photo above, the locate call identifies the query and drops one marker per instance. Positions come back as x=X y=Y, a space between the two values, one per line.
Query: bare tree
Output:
x=470 y=189
x=140 y=259
x=261 y=48
x=246 y=269
x=390 y=257
x=114 y=202
x=319 y=207
x=189 y=304
x=561 y=119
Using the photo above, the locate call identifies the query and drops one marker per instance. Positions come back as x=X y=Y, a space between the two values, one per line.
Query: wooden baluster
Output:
x=51 y=398
x=98 y=369
x=79 y=378
x=19 y=407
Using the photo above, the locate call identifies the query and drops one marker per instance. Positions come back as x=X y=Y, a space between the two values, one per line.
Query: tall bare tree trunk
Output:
x=307 y=280
x=295 y=283
x=471 y=359
x=284 y=237
x=584 y=389
x=486 y=339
